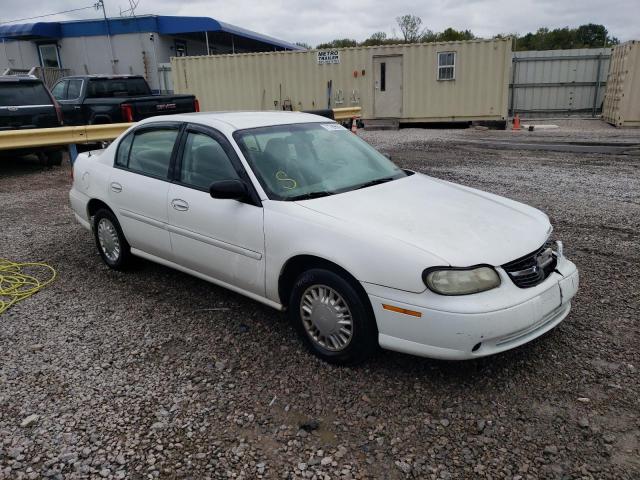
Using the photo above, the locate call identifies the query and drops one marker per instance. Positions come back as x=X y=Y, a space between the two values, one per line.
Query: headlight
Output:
x=461 y=281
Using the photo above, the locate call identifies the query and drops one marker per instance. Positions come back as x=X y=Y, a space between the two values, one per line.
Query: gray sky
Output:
x=315 y=21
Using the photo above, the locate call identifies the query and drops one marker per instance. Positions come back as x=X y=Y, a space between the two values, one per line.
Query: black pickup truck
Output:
x=99 y=99
x=25 y=103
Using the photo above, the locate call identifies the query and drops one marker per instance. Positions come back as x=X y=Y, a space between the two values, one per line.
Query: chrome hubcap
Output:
x=108 y=238
x=326 y=318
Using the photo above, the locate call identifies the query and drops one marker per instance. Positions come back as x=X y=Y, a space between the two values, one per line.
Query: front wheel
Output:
x=333 y=318
x=112 y=245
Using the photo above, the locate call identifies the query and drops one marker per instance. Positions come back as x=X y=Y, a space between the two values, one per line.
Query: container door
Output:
x=388 y=86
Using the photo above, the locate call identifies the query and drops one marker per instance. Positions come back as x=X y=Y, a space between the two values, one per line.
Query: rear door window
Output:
x=117 y=87
x=23 y=93
x=150 y=151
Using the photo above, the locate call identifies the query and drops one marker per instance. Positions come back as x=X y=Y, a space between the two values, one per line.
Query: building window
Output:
x=181 y=49
x=383 y=76
x=446 y=65
x=49 y=55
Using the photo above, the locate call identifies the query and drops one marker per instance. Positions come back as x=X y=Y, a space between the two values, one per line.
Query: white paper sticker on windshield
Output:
x=332 y=126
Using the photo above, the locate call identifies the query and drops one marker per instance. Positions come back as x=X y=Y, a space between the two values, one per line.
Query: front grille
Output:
x=532 y=269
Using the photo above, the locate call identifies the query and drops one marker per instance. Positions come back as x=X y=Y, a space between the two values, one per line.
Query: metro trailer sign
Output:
x=328 y=56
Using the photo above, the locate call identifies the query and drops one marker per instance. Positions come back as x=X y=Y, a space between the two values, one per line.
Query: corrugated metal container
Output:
x=622 y=100
x=553 y=82
x=393 y=81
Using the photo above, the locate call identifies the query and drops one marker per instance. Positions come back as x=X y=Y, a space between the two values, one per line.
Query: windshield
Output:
x=294 y=162
x=23 y=93
x=117 y=87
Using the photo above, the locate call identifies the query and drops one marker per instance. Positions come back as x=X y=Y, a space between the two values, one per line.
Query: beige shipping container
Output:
x=433 y=82
x=622 y=98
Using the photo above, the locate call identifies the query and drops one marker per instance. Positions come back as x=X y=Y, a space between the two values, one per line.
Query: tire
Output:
x=43 y=159
x=110 y=241
x=317 y=321
x=54 y=158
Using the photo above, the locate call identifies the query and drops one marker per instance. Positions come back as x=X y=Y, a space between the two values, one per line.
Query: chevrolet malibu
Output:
x=294 y=211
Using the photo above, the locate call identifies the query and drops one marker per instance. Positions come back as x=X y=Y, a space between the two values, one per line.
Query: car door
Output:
x=72 y=111
x=68 y=93
x=139 y=185
x=223 y=239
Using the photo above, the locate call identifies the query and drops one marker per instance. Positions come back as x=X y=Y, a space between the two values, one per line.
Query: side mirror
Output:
x=229 y=190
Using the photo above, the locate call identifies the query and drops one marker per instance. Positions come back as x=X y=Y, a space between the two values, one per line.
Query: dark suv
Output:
x=25 y=103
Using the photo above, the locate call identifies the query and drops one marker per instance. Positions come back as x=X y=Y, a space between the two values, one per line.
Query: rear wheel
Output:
x=333 y=318
x=112 y=245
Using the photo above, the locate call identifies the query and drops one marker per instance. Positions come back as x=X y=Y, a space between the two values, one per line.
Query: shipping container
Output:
x=622 y=99
x=433 y=82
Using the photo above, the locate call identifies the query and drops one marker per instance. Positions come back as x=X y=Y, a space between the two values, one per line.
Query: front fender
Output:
x=370 y=256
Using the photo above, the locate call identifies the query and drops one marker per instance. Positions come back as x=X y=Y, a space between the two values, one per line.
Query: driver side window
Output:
x=59 y=90
x=204 y=161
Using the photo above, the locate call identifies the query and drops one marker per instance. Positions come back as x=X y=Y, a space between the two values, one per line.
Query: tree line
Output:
x=412 y=31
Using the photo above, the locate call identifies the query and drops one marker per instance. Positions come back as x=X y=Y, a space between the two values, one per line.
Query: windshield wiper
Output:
x=375 y=182
x=310 y=195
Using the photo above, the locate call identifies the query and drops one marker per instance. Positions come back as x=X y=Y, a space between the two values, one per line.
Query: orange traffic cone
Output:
x=354 y=126
x=516 y=122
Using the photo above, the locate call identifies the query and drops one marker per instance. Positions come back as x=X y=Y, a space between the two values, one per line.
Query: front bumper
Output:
x=457 y=328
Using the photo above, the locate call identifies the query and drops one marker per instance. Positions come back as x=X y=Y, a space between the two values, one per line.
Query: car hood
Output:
x=461 y=225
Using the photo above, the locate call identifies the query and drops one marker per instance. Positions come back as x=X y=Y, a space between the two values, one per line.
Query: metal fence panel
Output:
x=51 y=75
x=559 y=82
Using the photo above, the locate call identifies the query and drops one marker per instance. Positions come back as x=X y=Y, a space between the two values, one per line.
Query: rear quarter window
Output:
x=23 y=93
x=122 y=155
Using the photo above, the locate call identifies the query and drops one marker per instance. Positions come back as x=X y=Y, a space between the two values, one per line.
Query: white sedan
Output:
x=293 y=210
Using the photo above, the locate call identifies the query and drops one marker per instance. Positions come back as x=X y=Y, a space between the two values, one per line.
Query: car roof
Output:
x=241 y=120
x=103 y=76
x=19 y=78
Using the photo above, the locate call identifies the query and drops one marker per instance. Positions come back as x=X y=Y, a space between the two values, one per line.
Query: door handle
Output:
x=116 y=187
x=179 y=205
x=76 y=107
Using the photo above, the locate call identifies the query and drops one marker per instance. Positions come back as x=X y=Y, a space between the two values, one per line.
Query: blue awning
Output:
x=243 y=32
x=31 y=30
x=174 y=25
x=161 y=24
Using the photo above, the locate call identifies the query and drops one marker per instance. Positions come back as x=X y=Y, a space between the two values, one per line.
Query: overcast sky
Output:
x=315 y=21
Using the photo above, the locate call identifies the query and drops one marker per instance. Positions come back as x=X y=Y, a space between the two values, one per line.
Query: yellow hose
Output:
x=17 y=285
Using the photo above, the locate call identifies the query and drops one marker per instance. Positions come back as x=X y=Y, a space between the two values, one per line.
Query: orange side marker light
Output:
x=393 y=308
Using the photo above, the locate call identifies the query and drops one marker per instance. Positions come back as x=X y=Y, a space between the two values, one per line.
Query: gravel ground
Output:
x=156 y=374
x=569 y=130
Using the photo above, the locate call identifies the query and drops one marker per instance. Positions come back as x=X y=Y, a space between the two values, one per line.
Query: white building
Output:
x=129 y=45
